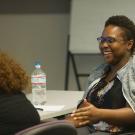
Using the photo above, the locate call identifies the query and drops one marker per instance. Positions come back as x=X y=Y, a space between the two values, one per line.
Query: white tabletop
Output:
x=69 y=99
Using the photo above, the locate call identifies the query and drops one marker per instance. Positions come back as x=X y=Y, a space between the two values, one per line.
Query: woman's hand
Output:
x=74 y=122
x=86 y=114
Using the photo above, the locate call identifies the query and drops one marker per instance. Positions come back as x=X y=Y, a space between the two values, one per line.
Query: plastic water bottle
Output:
x=38 y=80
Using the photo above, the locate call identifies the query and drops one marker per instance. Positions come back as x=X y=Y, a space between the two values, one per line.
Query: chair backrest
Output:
x=57 y=127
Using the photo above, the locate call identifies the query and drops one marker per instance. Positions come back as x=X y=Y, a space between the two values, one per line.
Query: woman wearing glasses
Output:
x=109 y=101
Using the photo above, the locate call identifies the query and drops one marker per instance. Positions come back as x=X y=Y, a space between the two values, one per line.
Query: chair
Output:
x=57 y=127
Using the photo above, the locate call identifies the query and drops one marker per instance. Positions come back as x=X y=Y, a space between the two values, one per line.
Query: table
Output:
x=68 y=98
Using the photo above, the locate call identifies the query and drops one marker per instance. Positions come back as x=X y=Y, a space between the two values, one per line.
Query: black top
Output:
x=16 y=113
x=112 y=99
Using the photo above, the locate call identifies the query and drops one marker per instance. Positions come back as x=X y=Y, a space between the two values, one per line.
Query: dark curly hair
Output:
x=126 y=24
x=13 y=77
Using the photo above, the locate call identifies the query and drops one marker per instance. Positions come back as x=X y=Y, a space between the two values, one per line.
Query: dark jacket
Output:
x=16 y=113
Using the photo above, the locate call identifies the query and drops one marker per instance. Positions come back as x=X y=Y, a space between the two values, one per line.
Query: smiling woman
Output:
x=117 y=48
x=108 y=104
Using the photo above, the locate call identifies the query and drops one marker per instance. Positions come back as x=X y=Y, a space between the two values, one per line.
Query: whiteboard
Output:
x=88 y=18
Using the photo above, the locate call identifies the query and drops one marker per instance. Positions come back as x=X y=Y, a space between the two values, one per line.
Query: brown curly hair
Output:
x=13 y=77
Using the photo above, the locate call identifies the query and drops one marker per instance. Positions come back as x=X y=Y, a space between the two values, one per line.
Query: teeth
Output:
x=106 y=52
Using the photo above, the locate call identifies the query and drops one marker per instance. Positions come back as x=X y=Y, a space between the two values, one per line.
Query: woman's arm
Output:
x=121 y=117
x=91 y=114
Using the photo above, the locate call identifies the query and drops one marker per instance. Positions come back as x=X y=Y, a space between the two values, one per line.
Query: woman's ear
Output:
x=130 y=44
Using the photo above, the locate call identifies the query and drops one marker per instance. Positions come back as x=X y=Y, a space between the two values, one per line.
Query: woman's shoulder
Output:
x=15 y=105
x=131 y=63
x=99 y=69
x=97 y=72
x=133 y=59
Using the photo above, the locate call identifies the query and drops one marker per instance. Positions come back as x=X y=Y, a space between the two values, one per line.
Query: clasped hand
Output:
x=85 y=114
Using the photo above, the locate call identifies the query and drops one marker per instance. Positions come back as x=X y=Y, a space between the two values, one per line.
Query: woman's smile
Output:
x=107 y=52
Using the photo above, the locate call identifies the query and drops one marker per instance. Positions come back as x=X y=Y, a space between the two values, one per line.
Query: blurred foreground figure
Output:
x=16 y=112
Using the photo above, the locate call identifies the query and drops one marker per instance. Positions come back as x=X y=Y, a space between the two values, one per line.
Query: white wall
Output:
x=31 y=30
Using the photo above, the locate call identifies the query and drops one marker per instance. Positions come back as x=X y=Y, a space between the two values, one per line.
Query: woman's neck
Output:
x=120 y=64
x=114 y=68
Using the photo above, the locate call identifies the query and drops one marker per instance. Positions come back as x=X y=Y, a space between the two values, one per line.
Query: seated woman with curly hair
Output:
x=16 y=112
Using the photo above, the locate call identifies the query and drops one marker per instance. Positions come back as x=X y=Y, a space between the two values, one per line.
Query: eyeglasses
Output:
x=108 y=40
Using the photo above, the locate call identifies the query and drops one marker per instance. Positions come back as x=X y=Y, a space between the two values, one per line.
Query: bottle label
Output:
x=38 y=79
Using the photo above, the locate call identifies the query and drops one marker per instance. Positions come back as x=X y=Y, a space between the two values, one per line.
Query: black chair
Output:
x=57 y=127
